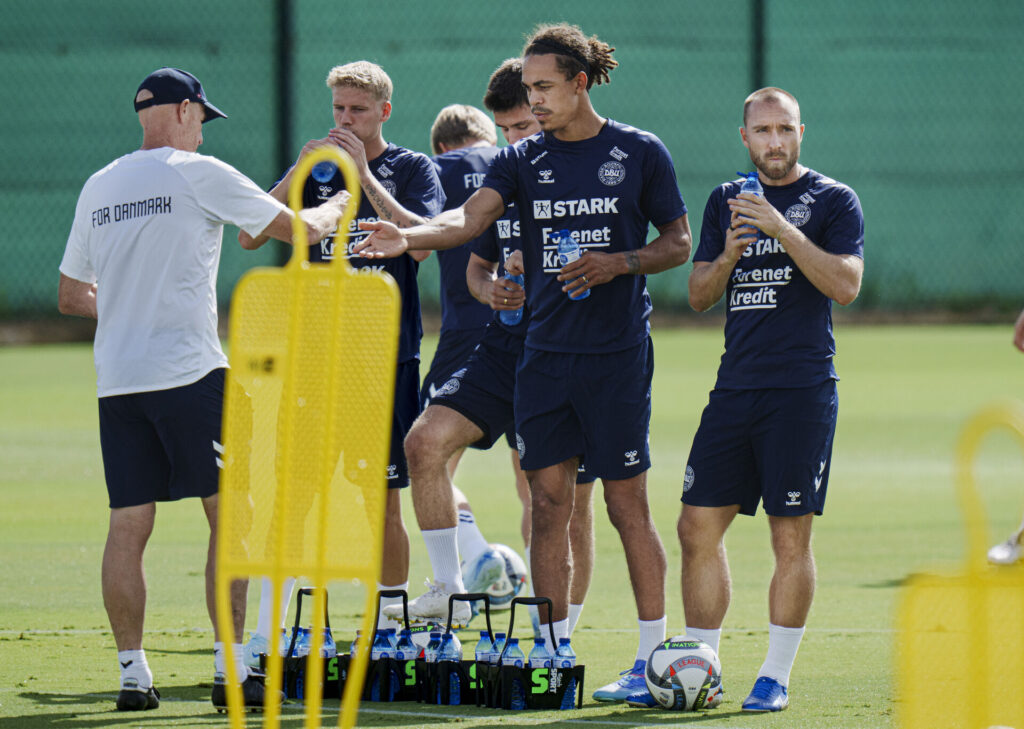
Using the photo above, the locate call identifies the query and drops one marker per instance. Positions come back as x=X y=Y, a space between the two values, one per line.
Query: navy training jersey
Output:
x=411 y=179
x=461 y=172
x=606 y=190
x=778 y=327
x=496 y=249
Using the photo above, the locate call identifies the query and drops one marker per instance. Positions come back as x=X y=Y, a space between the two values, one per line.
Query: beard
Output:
x=775 y=169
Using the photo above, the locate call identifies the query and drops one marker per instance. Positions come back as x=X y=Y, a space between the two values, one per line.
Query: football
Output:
x=684 y=674
x=511 y=583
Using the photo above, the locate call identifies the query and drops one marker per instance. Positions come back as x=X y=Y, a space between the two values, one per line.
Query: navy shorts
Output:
x=453 y=349
x=481 y=387
x=596 y=407
x=771 y=445
x=407 y=409
x=163 y=445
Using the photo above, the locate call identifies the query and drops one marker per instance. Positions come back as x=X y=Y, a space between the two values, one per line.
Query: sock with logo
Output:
x=471 y=541
x=134 y=666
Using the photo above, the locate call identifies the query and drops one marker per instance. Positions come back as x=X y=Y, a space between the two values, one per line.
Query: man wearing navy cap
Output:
x=142 y=260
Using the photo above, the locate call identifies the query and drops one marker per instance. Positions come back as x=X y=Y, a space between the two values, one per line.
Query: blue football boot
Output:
x=767 y=695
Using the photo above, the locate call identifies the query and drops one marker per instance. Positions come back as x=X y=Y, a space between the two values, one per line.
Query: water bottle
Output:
x=565 y=656
x=355 y=643
x=569 y=251
x=405 y=650
x=752 y=185
x=514 y=655
x=450 y=652
x=431 y=651
x=540 y=656
x=484 y=648
x=381 y=647
x=511 y=318
x=302 y=643
x=392 y=640
x=328 y=649
x=499 y=646
x=286 y=643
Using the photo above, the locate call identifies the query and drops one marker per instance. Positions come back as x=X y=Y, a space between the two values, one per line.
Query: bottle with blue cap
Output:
x=433 y=646
x=499 y=646
x=329 y=649
x=569 y=251
x=449 y=651
x=302 y=642
x=484 y=648
x=513 y=654
x=751 y=185
x=565 y=657
x=540 y=656
x=405 y=650
x=381 y=647
x=514 y=316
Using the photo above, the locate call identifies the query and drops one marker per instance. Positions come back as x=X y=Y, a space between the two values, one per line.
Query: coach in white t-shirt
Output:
x=142 y=259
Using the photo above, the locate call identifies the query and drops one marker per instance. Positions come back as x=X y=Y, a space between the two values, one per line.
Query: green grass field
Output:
x=892 y=510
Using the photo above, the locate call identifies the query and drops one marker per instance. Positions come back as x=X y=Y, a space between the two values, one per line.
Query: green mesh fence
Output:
x=913 y=104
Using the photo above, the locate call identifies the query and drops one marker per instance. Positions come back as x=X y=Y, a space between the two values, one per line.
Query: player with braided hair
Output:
x=583 y=384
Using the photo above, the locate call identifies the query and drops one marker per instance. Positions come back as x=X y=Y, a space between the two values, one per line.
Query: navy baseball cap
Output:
x=172 y=86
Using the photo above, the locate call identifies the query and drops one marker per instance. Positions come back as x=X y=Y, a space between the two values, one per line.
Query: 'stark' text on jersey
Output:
x=606 y=190
x=778 y=330
x=411 y=179
x=461 y=172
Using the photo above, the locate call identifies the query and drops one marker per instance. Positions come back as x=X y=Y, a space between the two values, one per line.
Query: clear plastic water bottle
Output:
x=302 y=643
x=565 y=656
x=431 y=651
x=392 y=640
x=751 y=185
x=499 y=646
x=381 y=647
x=569 y=251
x=328 y=649
x=405 y=650
x=450 y=652
x=511 y=318
x=540 y=656
x=355 y=643
x=484 y=648
x=286 y=643
x=514 y=655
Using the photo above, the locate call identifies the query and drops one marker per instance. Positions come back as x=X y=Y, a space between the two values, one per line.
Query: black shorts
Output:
x=163 y=445
x=453 y=349
x=773 y=446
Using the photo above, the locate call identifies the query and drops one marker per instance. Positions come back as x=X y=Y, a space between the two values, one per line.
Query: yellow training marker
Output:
x=307 y=425
x=960 y=658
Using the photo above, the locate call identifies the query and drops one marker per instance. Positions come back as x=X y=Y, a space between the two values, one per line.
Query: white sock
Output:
x=561 y=628
x=782 y=646
x=443 y=550
x=711 y=636
x=382 y=621
x=574 y=617
x=220 y=660
x=471 y=541
x=652 y=633
x=133 y=665
x=266 y=606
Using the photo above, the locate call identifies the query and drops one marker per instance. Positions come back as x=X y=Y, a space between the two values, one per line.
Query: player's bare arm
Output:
x=836 y=276
x=449 y=229
x=708 y=279
x=498 y=293
x=320 y=222
x=670 y=249
x=76 y=298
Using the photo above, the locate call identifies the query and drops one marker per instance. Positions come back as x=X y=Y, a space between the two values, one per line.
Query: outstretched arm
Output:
x=449 y=229
x=320 y=222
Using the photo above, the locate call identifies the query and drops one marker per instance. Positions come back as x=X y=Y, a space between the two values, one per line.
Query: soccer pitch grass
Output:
x=891 y=511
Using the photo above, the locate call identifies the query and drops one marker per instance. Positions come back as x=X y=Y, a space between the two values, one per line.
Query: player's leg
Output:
x=137 y=473
x=552 y=492
x=611 y=394
x=581 y=547
x=482 y=565
x=523 y=492
x=707 y=586
x=793 y=441
x=437 y=433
